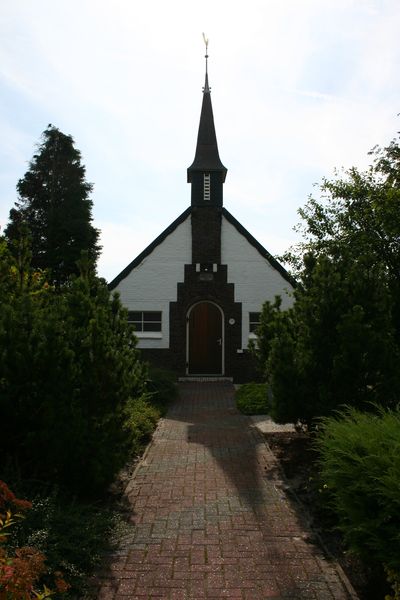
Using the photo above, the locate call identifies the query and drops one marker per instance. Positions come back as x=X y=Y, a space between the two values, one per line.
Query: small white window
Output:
x=206 y=187
x=144 y=321
x=254 y=321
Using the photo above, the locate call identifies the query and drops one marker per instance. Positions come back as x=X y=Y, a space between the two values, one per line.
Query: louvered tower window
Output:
x=206 y=187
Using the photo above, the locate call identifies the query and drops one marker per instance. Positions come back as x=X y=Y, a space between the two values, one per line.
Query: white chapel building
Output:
x=195 y=293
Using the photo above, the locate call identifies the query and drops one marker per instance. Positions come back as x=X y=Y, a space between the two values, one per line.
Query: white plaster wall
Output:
x=152 y=285
x=254 y=277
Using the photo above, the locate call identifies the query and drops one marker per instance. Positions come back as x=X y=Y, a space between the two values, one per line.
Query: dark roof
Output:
x=207 y=156
x=113 y=284
x=252 y=240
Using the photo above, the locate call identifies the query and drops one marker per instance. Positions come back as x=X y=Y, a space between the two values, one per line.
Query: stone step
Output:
x=206 y=378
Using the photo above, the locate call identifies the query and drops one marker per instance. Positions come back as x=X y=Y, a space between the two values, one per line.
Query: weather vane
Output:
x=206 y=43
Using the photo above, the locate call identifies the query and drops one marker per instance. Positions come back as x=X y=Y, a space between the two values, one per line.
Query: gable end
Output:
x=170 y=229
x=264 y=253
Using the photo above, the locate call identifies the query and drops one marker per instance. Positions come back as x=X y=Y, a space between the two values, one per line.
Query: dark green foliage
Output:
x=252 y=399
x=142 y=414
x=140 y=421
x=286 y=403
x=267 y=330
x=54 y=203
x=74 y=535
x=162 y=387
x=340 y=343
x=337 y=345
x=360 y=470
x=68 y=366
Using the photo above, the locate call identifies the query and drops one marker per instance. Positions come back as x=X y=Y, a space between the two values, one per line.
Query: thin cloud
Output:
x=298 y=88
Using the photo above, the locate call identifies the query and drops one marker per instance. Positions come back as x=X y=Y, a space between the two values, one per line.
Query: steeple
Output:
x=207 y=167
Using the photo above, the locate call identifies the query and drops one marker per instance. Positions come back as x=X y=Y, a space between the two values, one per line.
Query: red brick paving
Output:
x=210 y=518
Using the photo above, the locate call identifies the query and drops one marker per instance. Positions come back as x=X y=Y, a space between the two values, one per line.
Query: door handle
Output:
x=219 y=342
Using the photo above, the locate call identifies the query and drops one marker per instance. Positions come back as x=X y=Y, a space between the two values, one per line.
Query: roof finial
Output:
x=206 y=86
x=206 y=43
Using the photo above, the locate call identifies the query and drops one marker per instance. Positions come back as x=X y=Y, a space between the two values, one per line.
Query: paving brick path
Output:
x=210 y=517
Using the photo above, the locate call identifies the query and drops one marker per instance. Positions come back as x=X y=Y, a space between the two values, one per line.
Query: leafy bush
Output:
x=360 y=469
x=22 y=569
x=162 y=387
x=252 y=399
x=73 y=534
x=141 y=420
x=335 y=346
x=340 y=342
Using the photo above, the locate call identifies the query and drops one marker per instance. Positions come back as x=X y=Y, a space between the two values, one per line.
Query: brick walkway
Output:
x=210 y=517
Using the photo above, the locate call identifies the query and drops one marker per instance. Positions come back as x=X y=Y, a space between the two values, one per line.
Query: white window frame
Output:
x=252 y=322
x=156 y=334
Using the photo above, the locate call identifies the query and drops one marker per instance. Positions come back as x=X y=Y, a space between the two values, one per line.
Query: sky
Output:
x=298 y=87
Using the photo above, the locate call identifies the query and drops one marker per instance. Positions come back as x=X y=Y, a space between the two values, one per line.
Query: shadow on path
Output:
x=209 y=517
x=228 y=452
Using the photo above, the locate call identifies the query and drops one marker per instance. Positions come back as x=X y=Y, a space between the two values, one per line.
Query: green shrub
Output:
x=360 y=470
x=141 y=420
x=337 y=345
x=162 y=387
x=252 y=399
x=23 y=569
x=73 y=534
x=68 y=365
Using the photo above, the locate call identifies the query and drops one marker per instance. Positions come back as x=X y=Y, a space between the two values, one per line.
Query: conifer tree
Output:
x=72 y=384
x=54 y=202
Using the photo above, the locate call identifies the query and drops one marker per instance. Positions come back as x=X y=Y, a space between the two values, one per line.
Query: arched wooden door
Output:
x=205 y=339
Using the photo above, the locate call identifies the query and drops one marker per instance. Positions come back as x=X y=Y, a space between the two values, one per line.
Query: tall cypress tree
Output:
x=54 y=202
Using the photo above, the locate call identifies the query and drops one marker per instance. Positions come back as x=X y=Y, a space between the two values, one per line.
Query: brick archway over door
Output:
x=205 y=339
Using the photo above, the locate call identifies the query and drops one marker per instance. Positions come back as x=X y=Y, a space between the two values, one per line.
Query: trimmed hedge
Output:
x=252 y=399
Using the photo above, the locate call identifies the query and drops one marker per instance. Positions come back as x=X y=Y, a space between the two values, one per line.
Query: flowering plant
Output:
x=20 y=573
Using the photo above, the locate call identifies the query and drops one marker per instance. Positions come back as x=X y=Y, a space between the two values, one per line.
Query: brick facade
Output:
x=238 y=365
x=206 y=234
x=201 y=286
